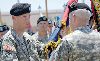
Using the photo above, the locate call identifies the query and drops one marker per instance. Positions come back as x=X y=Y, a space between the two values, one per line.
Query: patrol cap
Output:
x=76 y=6
x=20 y=8
x=44 y=18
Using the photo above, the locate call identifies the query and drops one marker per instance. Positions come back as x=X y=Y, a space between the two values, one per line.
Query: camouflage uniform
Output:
x=81 y=45
x=3 y=29
x=6 y=55
x=0 y=48
x=39 y=44
x=44 y=40
x=22 y=46
x=39 y=40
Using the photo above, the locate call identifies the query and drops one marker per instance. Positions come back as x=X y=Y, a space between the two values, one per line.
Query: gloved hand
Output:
x=49 y=47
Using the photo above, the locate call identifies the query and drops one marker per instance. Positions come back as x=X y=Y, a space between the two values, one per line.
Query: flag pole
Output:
x=83 y=1
x=18 y=1
x=0 y=19
x=46 y=8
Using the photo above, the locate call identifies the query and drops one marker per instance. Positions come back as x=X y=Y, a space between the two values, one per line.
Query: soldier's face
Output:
x=22 y=21
x=50 y=26
x=43 y=25
x=1 y=34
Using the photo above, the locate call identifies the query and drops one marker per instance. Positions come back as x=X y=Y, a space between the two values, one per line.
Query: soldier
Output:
x=95 y=4
x=42 y=24
x=41 y=36
x=17 y=36
x=83 y=43
x=50 y=26
x=3 y=30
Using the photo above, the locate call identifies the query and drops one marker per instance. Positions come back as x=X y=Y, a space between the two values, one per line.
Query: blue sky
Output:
x=5 y=5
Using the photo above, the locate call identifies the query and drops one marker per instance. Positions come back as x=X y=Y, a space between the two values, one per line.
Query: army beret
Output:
x=44 y=18
x=20 y=8
x=76 y=6
x=4 y=28
x=50 y=22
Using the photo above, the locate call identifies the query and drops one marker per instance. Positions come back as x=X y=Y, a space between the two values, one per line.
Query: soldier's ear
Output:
x=13 y=17
x=75 y=19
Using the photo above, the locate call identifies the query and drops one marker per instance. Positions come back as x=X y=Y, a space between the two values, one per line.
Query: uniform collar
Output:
x=85 y=29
